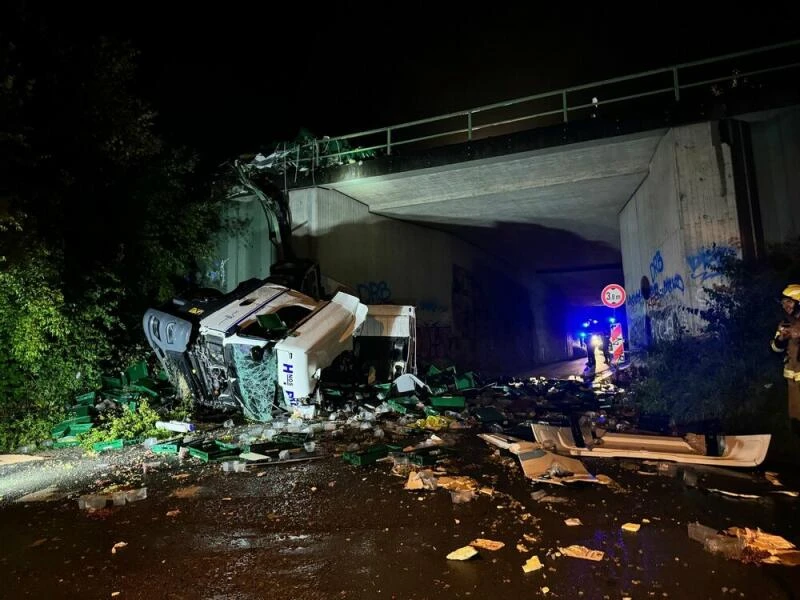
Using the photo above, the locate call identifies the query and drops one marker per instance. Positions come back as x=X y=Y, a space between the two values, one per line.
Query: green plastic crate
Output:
x=64 y=427
x=407 y=400
x=428 y=456
x=103 y=446
x=164 y=448
x=212 y=452
x=136 y=371
x=289 y=440
x=144 y=390
x=448 y=401
x=80 y=410
x=464 y=382
x=112 y=382
x=397 y=407
x=80 y=428
x=370 y=455
x=66 y=442
x=271 y=322
x=86 y=399
x=430 y=411
x=59 y=430
x=432 y=370
x=225 y=445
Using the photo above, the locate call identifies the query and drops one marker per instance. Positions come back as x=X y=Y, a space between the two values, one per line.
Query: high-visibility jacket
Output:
x=790 y=345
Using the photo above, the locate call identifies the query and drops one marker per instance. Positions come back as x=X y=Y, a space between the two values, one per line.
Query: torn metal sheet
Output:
x=539 y=465
x=736 y=450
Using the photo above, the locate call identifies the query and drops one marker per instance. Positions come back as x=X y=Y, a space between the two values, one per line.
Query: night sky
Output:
x=236 y=77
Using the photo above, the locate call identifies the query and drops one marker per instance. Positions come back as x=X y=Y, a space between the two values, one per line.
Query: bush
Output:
x=99 y=217
x=729 y=375
x=52 y=348
x=127 y=425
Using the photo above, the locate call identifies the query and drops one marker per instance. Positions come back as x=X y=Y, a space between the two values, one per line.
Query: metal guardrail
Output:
x=331 y=150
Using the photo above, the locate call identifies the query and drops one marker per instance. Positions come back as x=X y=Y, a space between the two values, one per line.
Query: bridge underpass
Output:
x=493 y=251
x=553 y=213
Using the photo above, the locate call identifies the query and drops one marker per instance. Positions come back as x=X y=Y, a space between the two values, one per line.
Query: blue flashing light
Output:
x=612 y=320
x=586 y=323
x=583 y=334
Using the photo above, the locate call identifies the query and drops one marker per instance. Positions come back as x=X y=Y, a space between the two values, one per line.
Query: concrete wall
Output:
x=776 y=153
x=673 y=230
x=552 y=341
x=246 y=254
x=471 y=307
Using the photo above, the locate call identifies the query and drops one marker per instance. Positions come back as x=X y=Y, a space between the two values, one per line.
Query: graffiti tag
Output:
x=374 y=292
x=656 y=266
x=707 y=262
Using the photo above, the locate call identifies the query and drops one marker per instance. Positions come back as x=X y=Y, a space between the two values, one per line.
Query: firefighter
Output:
x=787 y=340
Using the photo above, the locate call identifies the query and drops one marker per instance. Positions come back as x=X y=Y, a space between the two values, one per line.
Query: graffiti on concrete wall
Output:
x=657 y=311
x=374 y=292
x=706 y=263
x=666 y=312
x=662 y=287
x=656 y=266
x=665 y=323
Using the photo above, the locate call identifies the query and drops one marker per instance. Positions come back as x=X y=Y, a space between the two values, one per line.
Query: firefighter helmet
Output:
x=792 y=291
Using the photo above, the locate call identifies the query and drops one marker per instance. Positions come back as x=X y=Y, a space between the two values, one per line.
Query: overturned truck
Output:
x=263 y=346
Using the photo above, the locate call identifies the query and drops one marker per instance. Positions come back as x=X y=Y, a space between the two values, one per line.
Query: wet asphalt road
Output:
x=327 y=529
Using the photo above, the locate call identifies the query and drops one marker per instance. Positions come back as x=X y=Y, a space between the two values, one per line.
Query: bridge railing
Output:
x=672 y=84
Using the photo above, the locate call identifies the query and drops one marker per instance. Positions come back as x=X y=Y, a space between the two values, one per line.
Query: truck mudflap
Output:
x=734 y=450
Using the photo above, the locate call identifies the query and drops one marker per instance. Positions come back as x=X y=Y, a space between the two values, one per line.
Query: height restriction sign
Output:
x=613 y=295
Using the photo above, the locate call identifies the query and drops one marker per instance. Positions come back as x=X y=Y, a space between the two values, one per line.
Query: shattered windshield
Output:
x=257 y=379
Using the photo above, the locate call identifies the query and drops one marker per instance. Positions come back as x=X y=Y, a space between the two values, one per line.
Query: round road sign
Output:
x=613 y=295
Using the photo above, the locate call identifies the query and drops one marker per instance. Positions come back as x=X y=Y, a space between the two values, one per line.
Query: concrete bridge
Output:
x=494 y=236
